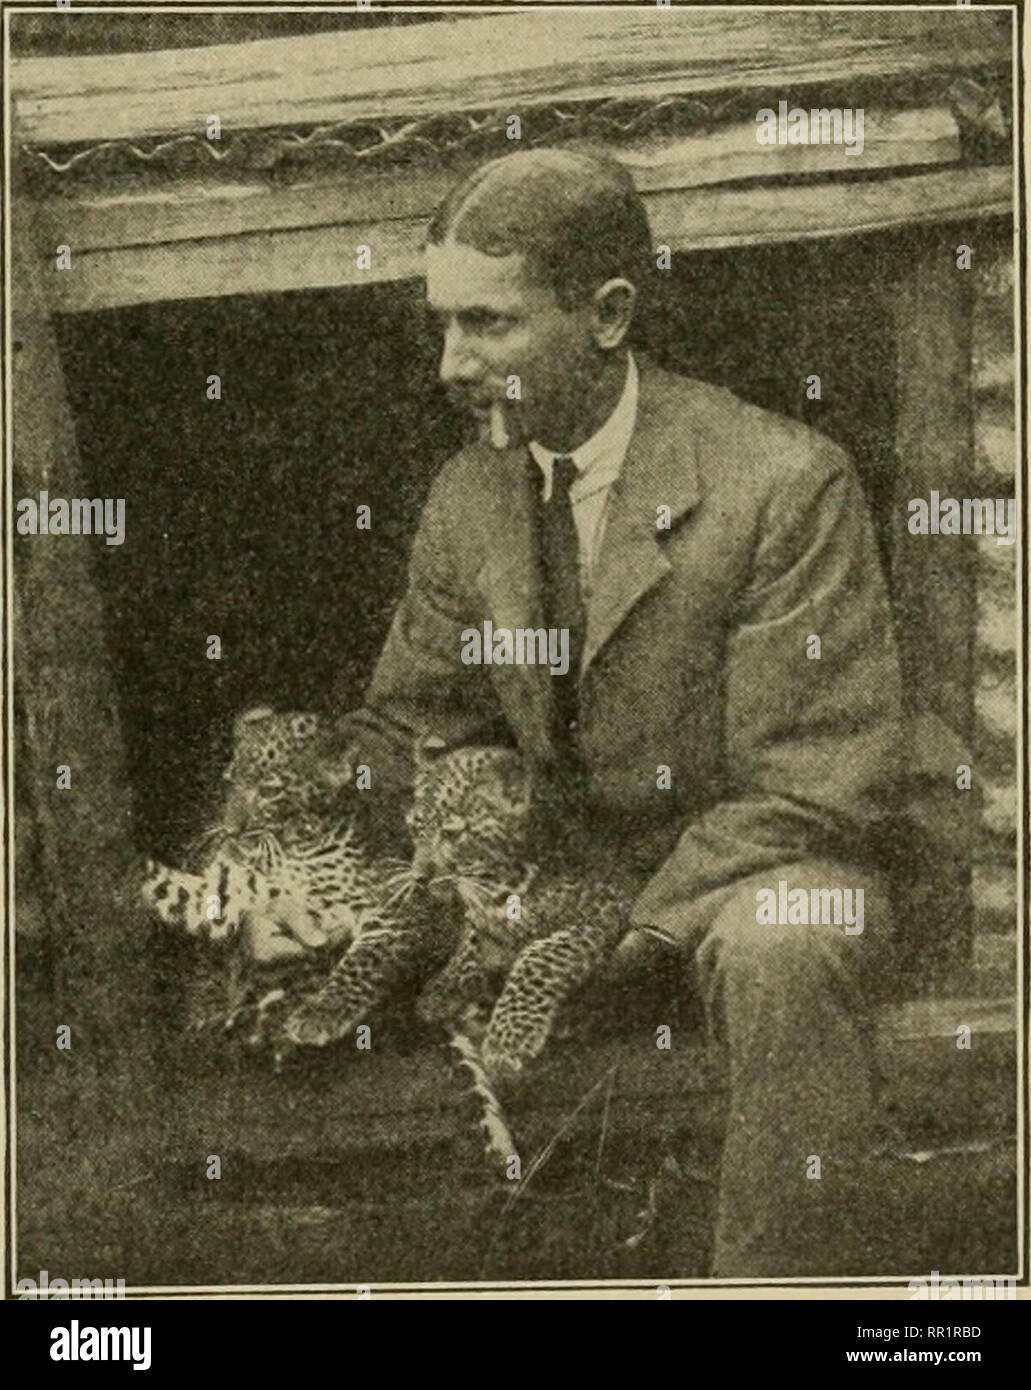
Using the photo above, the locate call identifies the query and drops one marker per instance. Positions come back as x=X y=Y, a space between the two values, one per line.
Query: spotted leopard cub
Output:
x=500 y=937
x=475 y=799
x=282 y=848
x=547 y=972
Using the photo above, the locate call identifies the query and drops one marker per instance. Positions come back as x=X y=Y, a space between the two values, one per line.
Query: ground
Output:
x=364 y=1167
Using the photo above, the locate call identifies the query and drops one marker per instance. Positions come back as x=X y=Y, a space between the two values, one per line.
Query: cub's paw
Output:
x=503 y=1068
x=459 y=986
x=266 y=1021
x=436 y=1005
x=511 y=1043
x=315 y=1022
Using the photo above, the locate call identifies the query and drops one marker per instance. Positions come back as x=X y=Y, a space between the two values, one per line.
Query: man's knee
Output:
x=796 y=922
x=737 y=946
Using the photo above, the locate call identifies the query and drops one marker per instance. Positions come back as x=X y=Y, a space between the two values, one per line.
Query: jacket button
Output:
x=574 y=724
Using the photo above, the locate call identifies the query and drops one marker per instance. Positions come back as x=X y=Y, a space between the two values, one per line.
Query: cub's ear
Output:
x=428 y=750
x=335 y=775
x=304 y=725
x=523 y=793
x=251 y=716
x=324 y=762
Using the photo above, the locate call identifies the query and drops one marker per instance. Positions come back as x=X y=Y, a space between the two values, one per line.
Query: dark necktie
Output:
x=562 y=600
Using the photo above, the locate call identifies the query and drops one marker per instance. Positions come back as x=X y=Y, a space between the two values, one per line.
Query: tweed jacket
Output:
x=699 y=655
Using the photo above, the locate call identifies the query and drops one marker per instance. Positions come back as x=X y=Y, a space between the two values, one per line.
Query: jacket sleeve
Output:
x=811 y=727
x=420 y=684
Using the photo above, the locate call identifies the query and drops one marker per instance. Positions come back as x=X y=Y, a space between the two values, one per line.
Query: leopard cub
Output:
x=500 y=937
x=282 y=850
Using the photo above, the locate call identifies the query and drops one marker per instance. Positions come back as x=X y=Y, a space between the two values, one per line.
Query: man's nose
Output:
x=458 y=366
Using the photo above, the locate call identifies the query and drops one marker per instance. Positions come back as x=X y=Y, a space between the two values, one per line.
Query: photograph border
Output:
x=872 y=1287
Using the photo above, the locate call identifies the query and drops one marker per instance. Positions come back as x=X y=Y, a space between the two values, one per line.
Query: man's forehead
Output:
x=460 y=276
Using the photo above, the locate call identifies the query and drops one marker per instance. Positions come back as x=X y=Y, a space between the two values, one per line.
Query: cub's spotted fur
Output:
x=282 y=850
x=474 y=802
x=468 y=920
x=540 y=938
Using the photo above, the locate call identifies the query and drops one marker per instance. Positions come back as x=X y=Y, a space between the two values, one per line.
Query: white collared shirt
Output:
x=598 y=462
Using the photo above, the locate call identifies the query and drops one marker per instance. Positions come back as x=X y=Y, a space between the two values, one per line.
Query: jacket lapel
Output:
x=659 y=470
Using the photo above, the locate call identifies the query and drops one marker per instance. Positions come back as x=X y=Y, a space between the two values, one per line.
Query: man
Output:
x=731 y=710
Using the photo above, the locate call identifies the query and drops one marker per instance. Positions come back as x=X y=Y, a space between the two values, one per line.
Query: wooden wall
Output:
x=73 y=844
x=997 y=636
x=346 y=138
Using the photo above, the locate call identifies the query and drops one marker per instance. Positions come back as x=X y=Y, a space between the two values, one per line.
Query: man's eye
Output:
x=491 y=325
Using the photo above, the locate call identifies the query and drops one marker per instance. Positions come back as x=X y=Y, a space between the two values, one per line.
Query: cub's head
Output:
x=469 y=819
x=276 y=773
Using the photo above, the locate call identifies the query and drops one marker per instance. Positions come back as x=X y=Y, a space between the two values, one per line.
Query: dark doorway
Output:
x=240 y=512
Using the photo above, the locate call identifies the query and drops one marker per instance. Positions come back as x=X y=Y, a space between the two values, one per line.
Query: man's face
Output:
x=497 y=324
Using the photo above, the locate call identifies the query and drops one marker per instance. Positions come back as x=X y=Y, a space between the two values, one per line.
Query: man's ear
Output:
x=613 y=311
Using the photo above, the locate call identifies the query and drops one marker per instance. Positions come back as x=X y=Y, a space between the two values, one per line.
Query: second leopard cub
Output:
x=541 y=936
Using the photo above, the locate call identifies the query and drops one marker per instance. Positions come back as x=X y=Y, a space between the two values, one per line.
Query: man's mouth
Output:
x=477 y=405
x=494 y=416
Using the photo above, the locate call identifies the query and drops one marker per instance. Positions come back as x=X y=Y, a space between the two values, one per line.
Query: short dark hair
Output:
x=577 y=218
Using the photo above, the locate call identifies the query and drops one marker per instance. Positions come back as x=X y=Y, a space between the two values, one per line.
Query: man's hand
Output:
x=285 y=935
x=637 y=951
x=641 y=962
